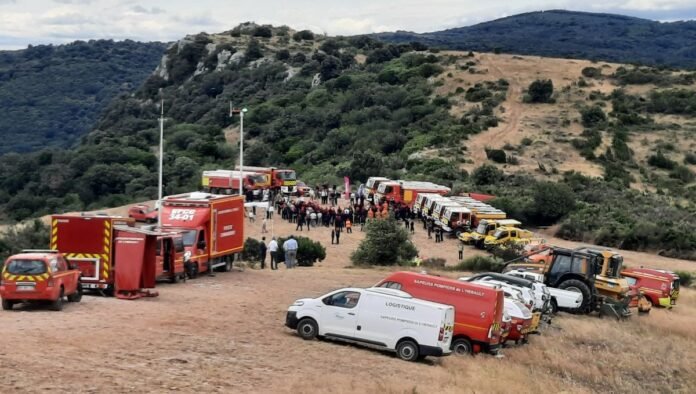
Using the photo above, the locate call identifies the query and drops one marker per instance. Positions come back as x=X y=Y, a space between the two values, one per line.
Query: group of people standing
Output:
x=290 y=247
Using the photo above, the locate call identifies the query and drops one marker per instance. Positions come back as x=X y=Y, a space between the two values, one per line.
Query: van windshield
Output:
x=189 y=238
x=481 y=229
x=26 y=267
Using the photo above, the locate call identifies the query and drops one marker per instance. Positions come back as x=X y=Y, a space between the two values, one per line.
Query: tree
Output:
x=262 y=31
x=254 y=50
x=540 y=91
x=386 y=243
x=552 y=201
x=303 y=35
x=486 y=175
x=593 y=116
x=330 y=68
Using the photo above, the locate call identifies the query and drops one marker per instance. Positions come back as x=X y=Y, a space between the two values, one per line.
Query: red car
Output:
x=39 y=276
x=660 y=287
x=143 y=213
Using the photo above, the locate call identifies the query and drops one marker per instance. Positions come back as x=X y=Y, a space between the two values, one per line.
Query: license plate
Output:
x=25 y=288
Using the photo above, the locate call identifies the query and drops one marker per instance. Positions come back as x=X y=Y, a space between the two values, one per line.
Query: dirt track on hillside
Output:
x=226 y=334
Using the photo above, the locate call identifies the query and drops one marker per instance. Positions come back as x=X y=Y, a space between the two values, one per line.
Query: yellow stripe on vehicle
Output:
x=470 y=326
x=105 y=274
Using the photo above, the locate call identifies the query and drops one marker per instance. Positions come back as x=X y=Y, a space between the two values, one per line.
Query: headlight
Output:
x=187 y=255
x=298 y=303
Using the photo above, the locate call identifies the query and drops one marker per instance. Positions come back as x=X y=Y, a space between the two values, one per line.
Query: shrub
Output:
x=659 y=160
x=593 y=116
x=262 y=31
x=540 y=91
x=690 y=158
x=386 y=243
x=251 y=250
x=486 y=175
x=496 y=155
x=685 y=278
x=16 y=238
x=308 y=251
x=303 y=35
x=479 y=264
x=591 y=72
x=526 y=141
x=477 y=93
x=552 y=201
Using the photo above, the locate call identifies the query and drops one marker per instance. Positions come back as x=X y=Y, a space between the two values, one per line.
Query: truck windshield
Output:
x=257 y=179
x=26 y=267
x=499 y=233
x=615 y=263
x=481 y=229
x=287 y=175
x=189 y=238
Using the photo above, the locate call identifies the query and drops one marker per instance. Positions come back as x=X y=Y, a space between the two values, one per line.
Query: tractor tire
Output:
x=7 y=305
x=462 y=347
x=57 y=304
x=407 y=350
x=579 y=287
x=77 y=295
x=307 y=329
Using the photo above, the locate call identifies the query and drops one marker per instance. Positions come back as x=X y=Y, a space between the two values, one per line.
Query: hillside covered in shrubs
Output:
x=570 y=34
x=330 y=107
x=52 y=95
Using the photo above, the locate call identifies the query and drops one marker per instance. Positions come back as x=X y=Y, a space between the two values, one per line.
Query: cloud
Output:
x=73 y=1
x=3 y=2
x=72 y=18
x=152 y=11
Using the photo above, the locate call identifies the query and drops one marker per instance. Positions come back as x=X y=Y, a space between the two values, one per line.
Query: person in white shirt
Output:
x=273 y=249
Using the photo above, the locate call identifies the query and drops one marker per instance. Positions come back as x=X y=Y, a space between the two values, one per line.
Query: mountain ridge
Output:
x=571 y=34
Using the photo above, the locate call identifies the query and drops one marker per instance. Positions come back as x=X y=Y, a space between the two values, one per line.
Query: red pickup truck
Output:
x=39 y=276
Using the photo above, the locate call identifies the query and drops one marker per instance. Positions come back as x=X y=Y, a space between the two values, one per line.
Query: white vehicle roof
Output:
x=388 y=291
x=227 y=173
x=422 y=185
x=455 y=209
x=385 y=291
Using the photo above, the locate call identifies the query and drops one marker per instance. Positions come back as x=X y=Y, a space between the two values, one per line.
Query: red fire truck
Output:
x=227 y=181
x=283 y=180
x=660 y=287
x=212 y=228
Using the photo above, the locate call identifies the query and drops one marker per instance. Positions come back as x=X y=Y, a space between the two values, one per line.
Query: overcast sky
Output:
x=24 y=22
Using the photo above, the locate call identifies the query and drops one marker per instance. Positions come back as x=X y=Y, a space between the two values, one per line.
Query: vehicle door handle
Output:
x=351 y=313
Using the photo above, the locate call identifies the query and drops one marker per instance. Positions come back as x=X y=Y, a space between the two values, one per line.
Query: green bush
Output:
x=690 y=158
x=496 y=155
x=540 y=91
x=386 y=243
x=593 y=116
x=686 y=278
x=591 y=72
x=479 y=264
x=251 y=250
x=486 y=175
x=659 y=160
x=308 y=251
x=33 y=235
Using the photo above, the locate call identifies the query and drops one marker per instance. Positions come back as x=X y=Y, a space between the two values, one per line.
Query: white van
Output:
x=378 y=317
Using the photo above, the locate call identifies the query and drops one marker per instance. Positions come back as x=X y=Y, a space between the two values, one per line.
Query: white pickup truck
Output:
x=560 y=298
x=383 y=318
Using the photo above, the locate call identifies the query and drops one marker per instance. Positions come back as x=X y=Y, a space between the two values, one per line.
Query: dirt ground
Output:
x=226 y=334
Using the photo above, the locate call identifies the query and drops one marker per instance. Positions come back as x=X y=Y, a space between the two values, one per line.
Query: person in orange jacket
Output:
x=349 y=226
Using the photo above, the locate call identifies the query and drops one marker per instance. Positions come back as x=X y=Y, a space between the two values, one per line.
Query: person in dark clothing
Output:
x=412 y=230
x=333 y=236
x=338 y=236
x=430 y=230
x=406 y=223
x=262 y=252
x=300 y=223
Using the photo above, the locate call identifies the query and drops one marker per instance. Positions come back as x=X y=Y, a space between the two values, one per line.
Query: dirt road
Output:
x=226 y=334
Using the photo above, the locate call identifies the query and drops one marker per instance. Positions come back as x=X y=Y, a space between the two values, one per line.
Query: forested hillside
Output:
x=579 y=35
x=52 y=95
x=332 y=107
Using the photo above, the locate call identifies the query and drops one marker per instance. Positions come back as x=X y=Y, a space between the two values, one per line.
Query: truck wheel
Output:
x=462 y=347
x=458 y=232
x=307 y=329
x=479 y=244
x=407 y=350
x=192 y=271
x=554 y=306
x=579 y=287
x=57 y=304
x=174 y=278
x=77 y=295
x=7 y=305
x=228 y=264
